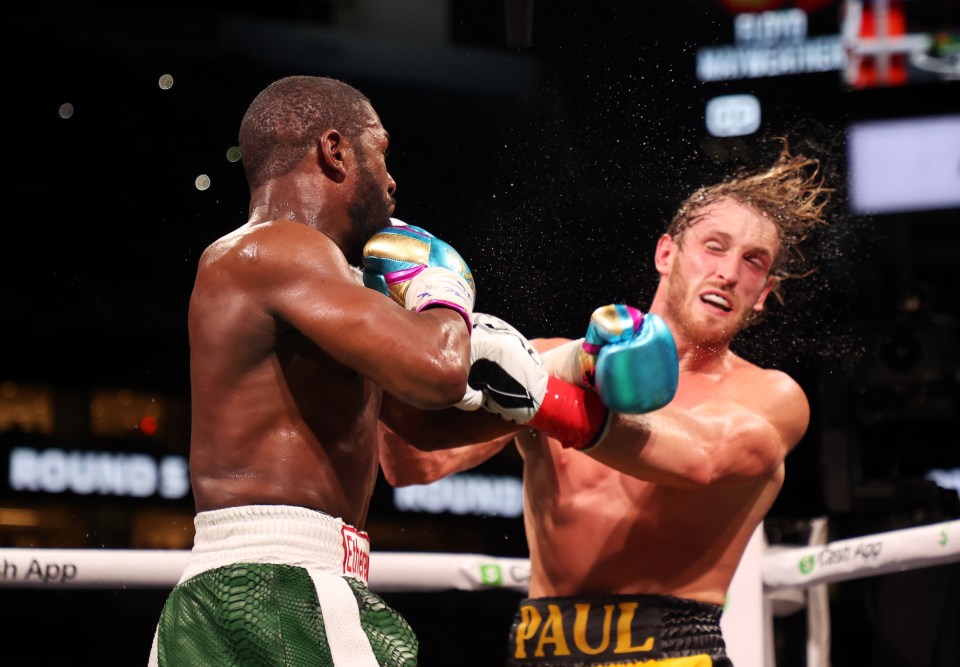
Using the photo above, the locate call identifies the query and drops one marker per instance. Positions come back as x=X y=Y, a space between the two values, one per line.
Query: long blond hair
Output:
x=791 y=193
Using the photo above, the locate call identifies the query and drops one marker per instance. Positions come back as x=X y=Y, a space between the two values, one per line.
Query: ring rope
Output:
x=783 y=567
x=858 y=557
x=156 y=568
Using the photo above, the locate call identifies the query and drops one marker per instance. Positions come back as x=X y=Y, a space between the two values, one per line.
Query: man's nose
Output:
x=728 y=270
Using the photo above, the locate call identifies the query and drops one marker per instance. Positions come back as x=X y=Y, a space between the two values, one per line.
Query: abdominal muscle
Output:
x=592 y=530
x=305 y=437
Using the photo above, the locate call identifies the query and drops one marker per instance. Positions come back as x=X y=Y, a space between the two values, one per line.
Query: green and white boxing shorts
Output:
x=279 y=585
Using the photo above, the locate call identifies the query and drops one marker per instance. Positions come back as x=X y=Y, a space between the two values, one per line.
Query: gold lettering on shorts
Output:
x=580 y=624
x=552 y=633
x=529 y=622
x=625 y=634
x=549 y=632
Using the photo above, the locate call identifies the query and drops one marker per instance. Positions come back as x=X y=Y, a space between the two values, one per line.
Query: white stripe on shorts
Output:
x=349 y=644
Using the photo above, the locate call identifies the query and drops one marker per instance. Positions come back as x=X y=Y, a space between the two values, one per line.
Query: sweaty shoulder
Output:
x=278 y=250
x=779 y=398
x=277 y=240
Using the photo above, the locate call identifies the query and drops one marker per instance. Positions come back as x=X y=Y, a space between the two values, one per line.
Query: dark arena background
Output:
x=549 y=142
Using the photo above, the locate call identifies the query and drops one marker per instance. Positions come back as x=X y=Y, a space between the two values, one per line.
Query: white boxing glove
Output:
x=506 y=372
x=507 y=378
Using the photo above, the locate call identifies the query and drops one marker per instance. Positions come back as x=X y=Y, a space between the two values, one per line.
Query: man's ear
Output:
x=758 y=305
x=663 y=256
x=331 y=154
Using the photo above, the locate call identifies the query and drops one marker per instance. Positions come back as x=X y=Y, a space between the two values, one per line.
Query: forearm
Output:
x=430 y=364
x=419 y=447
x=403 y=464
x=432 y=430
x=423 y=275
x=667 y=447
x=689 y=448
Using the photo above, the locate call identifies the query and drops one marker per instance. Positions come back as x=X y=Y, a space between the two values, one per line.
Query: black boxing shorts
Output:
x=616 y=630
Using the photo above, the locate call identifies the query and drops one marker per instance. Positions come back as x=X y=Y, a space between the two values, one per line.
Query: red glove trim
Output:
x=573 y=415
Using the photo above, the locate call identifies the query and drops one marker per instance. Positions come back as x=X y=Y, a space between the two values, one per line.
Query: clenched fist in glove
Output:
x=507 y=378
x=576 y=361
x=630 y=358
x=417 y=270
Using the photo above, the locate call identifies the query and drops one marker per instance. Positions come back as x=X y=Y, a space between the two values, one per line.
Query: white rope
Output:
x=858 y=557
x=91 y=568
x=153 y=568
x=788 y=567
x=403 y=572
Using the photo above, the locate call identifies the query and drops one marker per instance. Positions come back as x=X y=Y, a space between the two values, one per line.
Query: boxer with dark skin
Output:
x=660 y=511
x=290 y=355
x=290 y=352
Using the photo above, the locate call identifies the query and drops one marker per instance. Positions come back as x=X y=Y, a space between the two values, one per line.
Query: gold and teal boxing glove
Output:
x=417 y=270
x=628 y=357
x=640 y=374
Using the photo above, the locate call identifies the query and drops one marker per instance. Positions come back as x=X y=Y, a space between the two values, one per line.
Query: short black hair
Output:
x=287 y=117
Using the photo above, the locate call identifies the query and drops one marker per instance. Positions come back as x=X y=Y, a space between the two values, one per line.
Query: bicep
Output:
x=348 y=321
x=404 y=464
x=712 y=442
x=759 y=428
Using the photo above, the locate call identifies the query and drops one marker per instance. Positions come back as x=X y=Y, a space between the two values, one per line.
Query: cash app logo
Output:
x=806 y=564
x=491 y=575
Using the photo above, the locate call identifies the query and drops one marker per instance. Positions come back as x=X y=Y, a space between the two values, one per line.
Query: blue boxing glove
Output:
x=576 y=361
x=641 y=374
x=629 y=358
x=417 y=270
x=616 y=323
